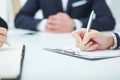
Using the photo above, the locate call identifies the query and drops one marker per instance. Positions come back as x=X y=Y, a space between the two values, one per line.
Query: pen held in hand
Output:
x=7 y=43
x=88 y=28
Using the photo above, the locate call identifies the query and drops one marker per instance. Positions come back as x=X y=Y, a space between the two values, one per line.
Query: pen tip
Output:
x=82 y=47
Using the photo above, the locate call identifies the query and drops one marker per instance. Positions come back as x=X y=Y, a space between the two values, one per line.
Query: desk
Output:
x=43 y=65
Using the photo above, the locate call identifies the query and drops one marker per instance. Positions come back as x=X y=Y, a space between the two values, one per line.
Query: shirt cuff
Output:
x=116 y=38
x=41 y=25
x=77 y=24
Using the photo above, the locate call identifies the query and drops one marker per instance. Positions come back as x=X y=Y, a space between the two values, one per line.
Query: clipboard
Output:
x=96 y=55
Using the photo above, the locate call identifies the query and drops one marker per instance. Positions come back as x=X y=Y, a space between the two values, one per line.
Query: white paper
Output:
x=10 y=61
x=96 y=54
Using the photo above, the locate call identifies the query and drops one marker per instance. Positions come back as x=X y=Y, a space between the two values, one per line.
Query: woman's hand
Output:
x=94 y=40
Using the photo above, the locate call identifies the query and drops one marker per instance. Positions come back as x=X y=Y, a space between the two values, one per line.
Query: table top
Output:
x=43 y=65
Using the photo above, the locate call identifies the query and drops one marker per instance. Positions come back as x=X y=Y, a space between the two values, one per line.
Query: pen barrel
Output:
x=88 y=28
x=90 y=21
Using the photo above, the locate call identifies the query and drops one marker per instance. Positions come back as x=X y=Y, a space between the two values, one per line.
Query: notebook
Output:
x=94 y=55
x=11 y=60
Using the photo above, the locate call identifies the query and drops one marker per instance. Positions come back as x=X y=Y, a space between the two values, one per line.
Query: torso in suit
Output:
x=3 y=23
x=81 y=11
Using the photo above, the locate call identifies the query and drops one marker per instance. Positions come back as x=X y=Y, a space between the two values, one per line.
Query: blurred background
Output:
x=9 y=8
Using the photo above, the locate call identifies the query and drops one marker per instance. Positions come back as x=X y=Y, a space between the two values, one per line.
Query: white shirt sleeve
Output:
x=78 y=23
x=41 y=25
x=115 y=42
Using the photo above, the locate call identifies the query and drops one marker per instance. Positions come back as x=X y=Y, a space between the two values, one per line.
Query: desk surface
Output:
x=43 y=65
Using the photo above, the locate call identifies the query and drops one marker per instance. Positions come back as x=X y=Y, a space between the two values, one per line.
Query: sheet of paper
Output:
x=10 y=61
x=96 y=54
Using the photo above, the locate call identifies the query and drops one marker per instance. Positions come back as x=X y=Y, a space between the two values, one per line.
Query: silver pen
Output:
x=88 y=27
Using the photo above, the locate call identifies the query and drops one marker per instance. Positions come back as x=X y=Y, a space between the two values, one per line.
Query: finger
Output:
x=89 y=36
x=2 y=38
x=78 y=44
x=1 y=44
x=53 y=22
x=86 y=38
x=54 y=17
x=88 y=45
x=51 y=29
x=51 y=18
x=50 y=21
x=78 y=33
x=92 y=48
x=3 y=31
x=60 y=14
x=77 y=37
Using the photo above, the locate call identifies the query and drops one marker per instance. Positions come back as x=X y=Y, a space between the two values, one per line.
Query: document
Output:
x=94 y=55
x=11 y=59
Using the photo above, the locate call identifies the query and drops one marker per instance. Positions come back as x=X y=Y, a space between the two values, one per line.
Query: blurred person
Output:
x=64 y=15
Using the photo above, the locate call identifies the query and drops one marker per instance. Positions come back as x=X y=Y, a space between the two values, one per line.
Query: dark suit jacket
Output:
x=104 y=19
x=119 y=41
x=117 y=35
x=3 y=23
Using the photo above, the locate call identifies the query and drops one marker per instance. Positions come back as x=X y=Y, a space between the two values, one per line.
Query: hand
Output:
x=94 y=40
x=3 y=33
x=60 y=22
